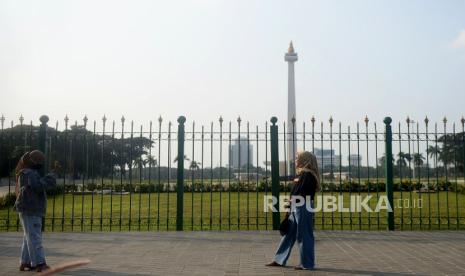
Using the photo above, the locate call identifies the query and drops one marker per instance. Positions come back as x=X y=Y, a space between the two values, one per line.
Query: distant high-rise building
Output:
x=381 y=161
x=327 y=158
x=355 y=160
x=243 y=150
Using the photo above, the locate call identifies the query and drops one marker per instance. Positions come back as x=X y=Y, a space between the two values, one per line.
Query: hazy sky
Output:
x=208 y=58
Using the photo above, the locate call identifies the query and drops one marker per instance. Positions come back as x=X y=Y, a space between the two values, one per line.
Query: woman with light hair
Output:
x=300 y=219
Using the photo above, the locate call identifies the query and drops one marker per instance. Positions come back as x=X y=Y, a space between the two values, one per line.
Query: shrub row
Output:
x=405 y=185
x=9 y=199
x=262 y=186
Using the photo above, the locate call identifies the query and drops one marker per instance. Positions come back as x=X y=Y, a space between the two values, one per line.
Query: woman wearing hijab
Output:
x=300 y=228
x=31 y=201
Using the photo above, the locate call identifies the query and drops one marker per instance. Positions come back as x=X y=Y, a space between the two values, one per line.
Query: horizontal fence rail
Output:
x=120 y=176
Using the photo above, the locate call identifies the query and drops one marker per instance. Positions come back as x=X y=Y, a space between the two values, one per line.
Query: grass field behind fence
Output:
x=232 y=211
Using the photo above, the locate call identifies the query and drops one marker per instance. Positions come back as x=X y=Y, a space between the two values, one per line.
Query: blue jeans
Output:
x=300 y=230
x=32 y=251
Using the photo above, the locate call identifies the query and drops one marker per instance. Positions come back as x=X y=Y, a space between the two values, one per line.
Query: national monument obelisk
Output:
x=290 y=57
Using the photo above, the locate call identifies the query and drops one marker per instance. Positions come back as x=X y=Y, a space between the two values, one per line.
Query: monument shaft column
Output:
x=291 y=129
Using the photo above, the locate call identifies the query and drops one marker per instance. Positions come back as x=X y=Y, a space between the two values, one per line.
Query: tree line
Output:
x=80 y=152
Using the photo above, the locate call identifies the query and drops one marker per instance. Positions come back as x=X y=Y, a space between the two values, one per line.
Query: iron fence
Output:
x=120 y=176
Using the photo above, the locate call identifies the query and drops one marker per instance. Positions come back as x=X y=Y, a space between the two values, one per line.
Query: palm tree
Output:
x=434 y=152
x=176 y=159
x=140 y=164
x=194 y=165
x=402 y=158
x=152 y=161
x=418 y=161
x=382 y=160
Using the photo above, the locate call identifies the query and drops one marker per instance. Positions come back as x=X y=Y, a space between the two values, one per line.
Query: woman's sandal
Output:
x=26 y=267
x=299 y=267
x=42 y=267
x=273 y=264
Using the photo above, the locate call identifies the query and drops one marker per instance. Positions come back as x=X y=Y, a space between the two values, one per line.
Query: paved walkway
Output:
x=245 y=253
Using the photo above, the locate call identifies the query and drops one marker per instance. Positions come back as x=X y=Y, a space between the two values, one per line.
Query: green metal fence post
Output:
x=43 y=139
x=389 y=171
x=275 y=170
x=42 y=147
x=180 y=175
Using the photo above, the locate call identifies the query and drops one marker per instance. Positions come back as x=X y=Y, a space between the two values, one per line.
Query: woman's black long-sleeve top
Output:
x=305 y=185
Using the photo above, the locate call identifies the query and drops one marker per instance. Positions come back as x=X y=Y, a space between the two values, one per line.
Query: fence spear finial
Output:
x=426 y=120
x=21 y=119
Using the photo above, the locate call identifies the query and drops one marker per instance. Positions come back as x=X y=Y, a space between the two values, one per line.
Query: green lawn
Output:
x=209 y=211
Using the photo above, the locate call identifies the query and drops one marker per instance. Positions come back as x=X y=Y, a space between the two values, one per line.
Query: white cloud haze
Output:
x=146 y=58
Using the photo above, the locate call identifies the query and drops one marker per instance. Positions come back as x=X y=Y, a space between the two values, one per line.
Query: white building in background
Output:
x=241 y=148
x=355 y=160
x=327 y=158
x=244 y=176
x=282 y=167
x=291 y=57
